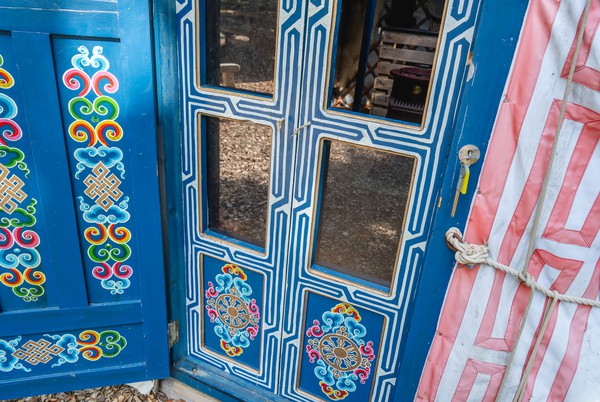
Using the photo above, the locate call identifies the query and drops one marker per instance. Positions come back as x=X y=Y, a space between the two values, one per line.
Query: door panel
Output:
x=340 y=345
x=427 y=147
x=22 y=281
x=351 y=200
x=81 y=295
x=232 y=318
x=99 y=170
x=219 y=257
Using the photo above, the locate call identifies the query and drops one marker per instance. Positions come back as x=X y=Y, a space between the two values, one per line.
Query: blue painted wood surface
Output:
x=262 y=111
x=34 y=52
x=93 y=23
x=88 y=331
x=402 y=350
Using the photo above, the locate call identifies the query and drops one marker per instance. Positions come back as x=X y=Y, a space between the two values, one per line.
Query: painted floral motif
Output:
x=19 y=258
x=341 y=355
x=59 y=349
x=99 y=166
x=6 y=79
x=235 y=314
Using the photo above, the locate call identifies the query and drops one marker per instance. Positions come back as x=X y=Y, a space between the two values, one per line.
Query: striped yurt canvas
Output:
x=538 y=210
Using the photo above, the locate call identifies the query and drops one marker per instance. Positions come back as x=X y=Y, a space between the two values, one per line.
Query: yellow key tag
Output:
x=465 y=180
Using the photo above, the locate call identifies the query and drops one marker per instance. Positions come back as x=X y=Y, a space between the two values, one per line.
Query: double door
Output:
x=308 y=204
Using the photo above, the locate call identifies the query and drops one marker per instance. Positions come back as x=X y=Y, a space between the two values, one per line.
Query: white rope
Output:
x=472 y=254
x=548 y=309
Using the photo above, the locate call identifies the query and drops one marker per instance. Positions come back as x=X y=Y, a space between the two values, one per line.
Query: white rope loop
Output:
x=472 y=254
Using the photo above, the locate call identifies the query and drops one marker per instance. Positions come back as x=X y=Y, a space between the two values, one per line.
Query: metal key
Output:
x=467 y=155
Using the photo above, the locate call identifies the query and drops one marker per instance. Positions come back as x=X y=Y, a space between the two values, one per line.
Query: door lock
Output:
x=467 y=155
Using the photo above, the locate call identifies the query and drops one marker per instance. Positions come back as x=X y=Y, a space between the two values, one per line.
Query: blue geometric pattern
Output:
x=304 y=40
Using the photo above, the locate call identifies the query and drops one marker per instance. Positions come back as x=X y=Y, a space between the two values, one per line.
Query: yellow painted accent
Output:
x=465 y=182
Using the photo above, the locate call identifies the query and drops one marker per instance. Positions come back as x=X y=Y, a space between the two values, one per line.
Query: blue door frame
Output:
x=82 y=294
x=496 y=35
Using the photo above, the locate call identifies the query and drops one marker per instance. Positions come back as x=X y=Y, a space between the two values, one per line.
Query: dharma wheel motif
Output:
x=341 y=355
x=230 y=308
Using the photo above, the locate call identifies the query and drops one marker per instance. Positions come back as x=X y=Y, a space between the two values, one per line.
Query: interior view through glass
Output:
x=241 y=36
x=363 y=198
x=238 y=159
x=384 y=56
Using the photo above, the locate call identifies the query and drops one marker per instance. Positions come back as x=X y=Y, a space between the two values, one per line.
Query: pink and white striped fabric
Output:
x=478 y=353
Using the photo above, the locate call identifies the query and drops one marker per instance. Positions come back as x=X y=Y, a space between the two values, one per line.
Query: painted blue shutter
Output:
x=81 y=268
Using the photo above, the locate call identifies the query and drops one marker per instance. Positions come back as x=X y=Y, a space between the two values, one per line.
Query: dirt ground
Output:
x=119 y=393
x=362 y=212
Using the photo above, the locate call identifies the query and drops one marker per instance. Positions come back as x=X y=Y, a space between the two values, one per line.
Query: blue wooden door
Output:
x=366 y=187
x=239 y=104
x=81 y=267
x=307 y=216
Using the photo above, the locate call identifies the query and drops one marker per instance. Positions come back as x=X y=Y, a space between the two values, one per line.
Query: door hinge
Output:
x=173 y=333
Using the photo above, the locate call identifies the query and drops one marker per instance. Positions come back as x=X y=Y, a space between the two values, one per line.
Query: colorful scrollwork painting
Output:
x=235 y=315
x=100 y=166
x=19 y=258
x=341 y=355
x=59 y=349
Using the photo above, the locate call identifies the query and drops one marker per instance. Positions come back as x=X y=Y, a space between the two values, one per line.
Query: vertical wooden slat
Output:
x=137 y=78
x=64 y=275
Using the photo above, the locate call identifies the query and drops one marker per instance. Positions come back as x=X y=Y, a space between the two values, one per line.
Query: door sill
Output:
x=218 y=384
x=178 y=391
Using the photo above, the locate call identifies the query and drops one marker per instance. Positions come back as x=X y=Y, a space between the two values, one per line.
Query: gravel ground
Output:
x=119 y=393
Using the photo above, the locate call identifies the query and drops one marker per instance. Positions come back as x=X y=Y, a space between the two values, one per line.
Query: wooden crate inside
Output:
x=399 y=49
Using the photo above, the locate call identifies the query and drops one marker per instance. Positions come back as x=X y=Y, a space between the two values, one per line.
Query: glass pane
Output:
x=384 y=56
x=363 y=204
x=238 y=157
x=241 y=36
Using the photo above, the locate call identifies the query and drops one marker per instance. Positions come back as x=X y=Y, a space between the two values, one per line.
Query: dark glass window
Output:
x=240 y=38
x=384 y=56
x=238 y=163
x=363 y=198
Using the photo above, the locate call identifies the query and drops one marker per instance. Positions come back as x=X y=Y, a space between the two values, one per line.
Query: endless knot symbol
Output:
x=233 y=311
x=41 y=351
x=10 y=190
x=103 y=186
x=340 y=352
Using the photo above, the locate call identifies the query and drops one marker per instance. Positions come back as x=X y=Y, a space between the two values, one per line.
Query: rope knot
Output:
x=527 y=279
x=466 y=253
